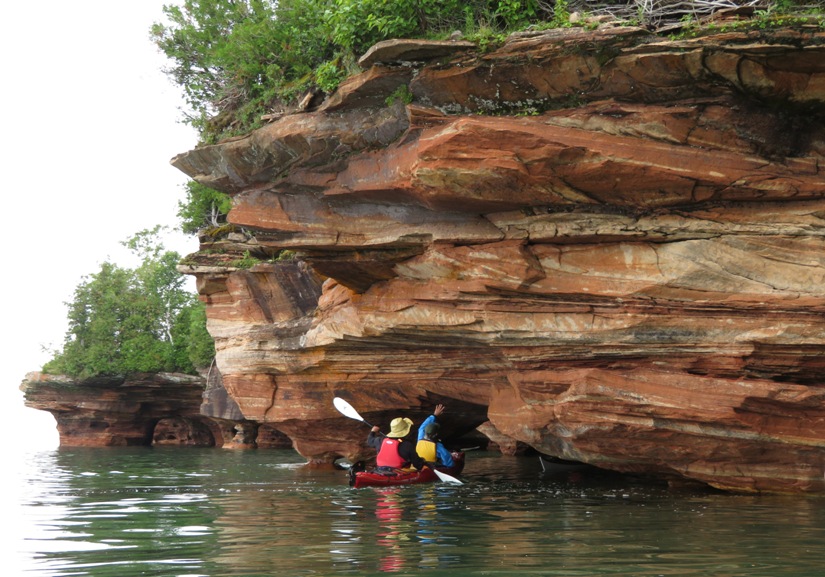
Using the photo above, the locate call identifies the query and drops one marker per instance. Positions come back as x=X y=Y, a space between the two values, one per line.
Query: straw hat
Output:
x=399 y=427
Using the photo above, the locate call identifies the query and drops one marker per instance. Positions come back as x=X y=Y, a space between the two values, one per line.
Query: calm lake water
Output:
x=211 y=512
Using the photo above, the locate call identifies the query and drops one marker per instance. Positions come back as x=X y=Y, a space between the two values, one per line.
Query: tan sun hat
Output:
x=399 y=427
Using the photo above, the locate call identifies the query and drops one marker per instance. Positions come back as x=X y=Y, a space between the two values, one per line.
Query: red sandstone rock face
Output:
x=119 y=411
x=144 y=409
x=632 y=278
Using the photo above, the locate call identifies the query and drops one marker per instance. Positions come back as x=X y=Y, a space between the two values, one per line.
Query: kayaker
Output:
x=394 y=449
x=429 y=447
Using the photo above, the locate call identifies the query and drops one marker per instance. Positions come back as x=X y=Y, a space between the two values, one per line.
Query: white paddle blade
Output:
x=447 y=478
x=346 y=409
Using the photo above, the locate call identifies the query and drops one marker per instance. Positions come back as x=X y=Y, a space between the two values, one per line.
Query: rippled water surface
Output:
x=187 y=512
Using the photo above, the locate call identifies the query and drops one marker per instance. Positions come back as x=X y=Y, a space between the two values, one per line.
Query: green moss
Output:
x=246 y=262
x=221 y=231
x=285 y=255
x=402 y=93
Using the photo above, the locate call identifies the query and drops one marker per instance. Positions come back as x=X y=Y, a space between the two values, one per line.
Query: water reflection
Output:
x=392 y=531
x=169 y=512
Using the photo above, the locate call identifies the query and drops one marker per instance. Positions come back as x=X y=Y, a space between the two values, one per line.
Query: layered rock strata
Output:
x=143 y=409
x=606 y=243
x=117 y=411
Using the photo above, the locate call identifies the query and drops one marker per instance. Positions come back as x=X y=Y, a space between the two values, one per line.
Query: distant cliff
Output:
x=608 y=244
x=145 y=409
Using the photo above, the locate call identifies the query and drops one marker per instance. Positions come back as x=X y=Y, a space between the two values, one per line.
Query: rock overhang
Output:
x=607 y=244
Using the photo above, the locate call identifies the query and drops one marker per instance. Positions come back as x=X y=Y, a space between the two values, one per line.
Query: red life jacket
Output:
x=388 y=454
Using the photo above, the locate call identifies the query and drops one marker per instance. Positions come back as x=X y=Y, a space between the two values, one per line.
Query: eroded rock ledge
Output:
x=145 y=409
x=608 y=244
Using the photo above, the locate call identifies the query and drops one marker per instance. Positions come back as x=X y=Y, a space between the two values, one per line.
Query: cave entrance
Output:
x=181 y=431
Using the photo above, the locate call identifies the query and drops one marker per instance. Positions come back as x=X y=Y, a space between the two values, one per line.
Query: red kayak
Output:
x=386 y=477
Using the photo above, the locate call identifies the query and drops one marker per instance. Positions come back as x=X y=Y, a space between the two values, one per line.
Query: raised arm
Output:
x=431 y=419
x=423 y=426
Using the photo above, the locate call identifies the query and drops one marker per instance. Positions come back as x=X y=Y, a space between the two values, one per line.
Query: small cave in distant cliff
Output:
x=181 y=431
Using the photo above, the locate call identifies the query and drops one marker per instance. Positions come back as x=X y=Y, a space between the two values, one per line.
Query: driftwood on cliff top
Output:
x=658 y=11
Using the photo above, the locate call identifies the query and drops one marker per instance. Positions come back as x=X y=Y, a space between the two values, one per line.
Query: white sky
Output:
x=90 y=123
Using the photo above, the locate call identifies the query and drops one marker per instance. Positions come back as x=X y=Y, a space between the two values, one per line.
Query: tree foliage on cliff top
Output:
x=237 y=60
x=134 y=320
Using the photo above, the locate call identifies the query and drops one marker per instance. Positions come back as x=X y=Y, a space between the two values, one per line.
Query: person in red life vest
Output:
x=394 y=449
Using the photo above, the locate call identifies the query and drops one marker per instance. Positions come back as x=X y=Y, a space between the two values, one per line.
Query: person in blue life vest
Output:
x=429 y=447
x=394 y=449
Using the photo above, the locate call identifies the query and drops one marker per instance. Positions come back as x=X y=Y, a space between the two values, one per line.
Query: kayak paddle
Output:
x=349 y=411
x=447 y=478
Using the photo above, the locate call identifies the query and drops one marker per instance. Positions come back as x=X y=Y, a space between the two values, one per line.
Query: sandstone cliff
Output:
x=144 y=409
x=606 y=243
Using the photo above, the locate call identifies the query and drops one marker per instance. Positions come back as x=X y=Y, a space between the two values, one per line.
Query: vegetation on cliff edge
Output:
x=203 y=208
x=237 y=60
x=240 y=61
x=134 y=320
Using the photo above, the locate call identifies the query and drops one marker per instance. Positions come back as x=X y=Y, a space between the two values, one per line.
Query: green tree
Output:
x=134 y=320
x=195 y=39
x=204 y=207
x=236 y=59
x=199 y=345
